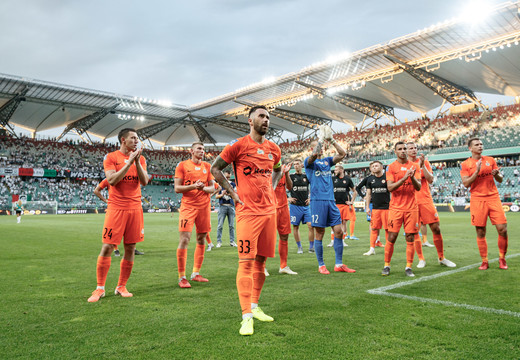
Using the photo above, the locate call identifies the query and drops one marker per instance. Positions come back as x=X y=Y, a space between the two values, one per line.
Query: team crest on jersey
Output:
x=487 y=164
x=270 y=156
x=204 y=171
x=126 y=161
x=344 y=181
x=326 y=162
x=304 y=180
x=384 y=181
x=260 y=151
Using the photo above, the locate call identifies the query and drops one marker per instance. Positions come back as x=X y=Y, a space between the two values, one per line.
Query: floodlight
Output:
x=475 y=12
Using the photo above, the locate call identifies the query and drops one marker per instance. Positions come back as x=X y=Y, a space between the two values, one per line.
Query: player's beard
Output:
x=259 y=129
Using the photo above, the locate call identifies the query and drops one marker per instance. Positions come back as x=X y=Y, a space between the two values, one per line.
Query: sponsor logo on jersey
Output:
x=249 y=170
x=260 y=151
x=404 y=169
x=197 y=168
x=322 y=173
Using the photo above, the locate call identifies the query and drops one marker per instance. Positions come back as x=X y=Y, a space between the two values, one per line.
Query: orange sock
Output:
x=424 y=238
x=418 y=246
x=373 y=238
x=352 y=226
x=283 y=249
x=115 y=247
x=126 y=270
x=502 y=246
x=208 y=238
x=258 y=280
x=198 y=257
x=386 y=235
x=182 y=255
x=389 y=251
x=245 y=284
x=103 y=265
x=482 y=248
x=439 y=245
x=410 y=252
x=331 y=235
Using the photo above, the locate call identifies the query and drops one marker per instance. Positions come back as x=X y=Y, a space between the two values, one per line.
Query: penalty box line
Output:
x=384 y=291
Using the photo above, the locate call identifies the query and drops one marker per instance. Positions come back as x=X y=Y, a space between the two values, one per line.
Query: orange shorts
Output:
x=481 y=209
x=428 y=213
x=127 y=224
x=283 y=220
x=410 y=219
x=379 y=219
x=256 y=235
x=348 y=212
x=198 y=216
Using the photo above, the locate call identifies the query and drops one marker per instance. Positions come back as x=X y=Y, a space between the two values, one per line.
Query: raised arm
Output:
x=341 y=152
x=315 y=153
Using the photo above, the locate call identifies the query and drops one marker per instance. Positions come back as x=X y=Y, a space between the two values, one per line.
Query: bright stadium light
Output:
x=475 y=12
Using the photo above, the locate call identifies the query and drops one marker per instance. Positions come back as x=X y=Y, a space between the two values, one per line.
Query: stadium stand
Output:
x=78 y=168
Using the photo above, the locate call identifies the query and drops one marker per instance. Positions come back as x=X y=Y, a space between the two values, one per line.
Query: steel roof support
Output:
x=8 y=109
x=82 y=125
x=149 y=131
x=305 y=120
x=202 y=133
x=451 y=92
x=366 y=107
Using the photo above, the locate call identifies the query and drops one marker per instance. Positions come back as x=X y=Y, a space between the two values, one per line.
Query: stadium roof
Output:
x=447 y=62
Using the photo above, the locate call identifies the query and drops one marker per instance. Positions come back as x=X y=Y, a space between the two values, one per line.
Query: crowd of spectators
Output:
x=446 y=134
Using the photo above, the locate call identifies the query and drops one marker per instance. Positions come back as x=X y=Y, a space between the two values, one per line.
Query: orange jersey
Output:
x=126 y=194
x=424 y=196
x=253 y=164
x=103 y=184
x=281 y=194
x=484 y=185
x=189 y=173
x=403 y=198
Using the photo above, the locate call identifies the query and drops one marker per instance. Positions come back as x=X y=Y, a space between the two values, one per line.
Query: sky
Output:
x=191 y=51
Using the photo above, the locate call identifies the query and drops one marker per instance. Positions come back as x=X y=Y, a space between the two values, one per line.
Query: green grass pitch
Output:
x=48 y=272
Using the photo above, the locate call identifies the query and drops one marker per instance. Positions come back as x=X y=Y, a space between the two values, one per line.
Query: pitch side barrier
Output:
x=77 y=211
x=443 y=207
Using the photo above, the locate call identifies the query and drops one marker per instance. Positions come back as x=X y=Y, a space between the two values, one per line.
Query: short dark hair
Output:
x=197 y=143
x=227 y=171
x=254 y=108
x=470 y=141
x=123 y=133
x=399 y=143
x=375 y=161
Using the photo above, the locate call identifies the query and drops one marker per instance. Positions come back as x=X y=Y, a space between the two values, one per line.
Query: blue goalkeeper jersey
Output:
x=320 y=177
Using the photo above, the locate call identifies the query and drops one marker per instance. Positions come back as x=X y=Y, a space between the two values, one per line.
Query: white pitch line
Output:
x=383 y=291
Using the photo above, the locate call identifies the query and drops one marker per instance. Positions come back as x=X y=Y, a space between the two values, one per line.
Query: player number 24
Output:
x=108 y=232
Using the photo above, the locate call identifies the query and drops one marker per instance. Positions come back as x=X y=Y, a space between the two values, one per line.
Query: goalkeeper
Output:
x=324 y=212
